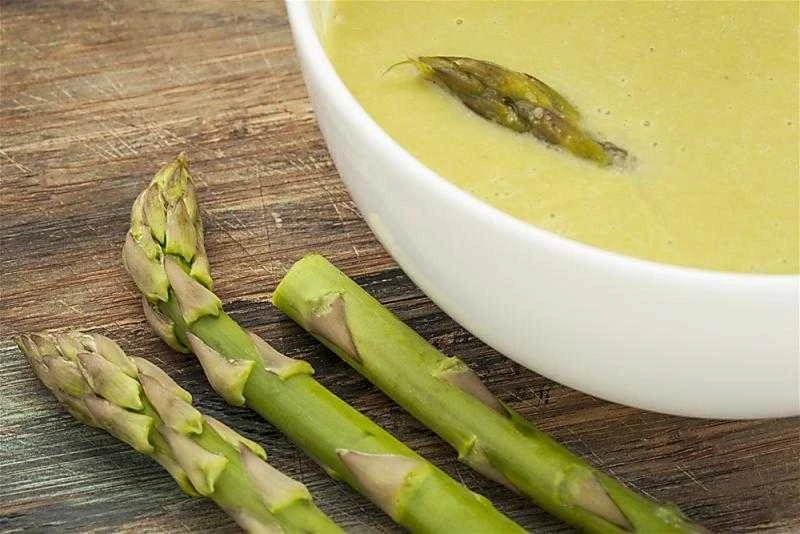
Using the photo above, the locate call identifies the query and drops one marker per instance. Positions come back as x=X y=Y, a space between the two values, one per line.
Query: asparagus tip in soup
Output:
x=518 y=101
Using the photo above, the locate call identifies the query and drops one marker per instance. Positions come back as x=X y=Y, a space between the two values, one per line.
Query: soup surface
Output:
x=703 y=94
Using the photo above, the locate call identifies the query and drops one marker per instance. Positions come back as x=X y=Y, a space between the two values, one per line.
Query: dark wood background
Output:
x=95 y=97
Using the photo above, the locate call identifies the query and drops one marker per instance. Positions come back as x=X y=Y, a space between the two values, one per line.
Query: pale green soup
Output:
x=703 y=94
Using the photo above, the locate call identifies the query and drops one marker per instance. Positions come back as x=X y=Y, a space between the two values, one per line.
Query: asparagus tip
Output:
x=517 y=101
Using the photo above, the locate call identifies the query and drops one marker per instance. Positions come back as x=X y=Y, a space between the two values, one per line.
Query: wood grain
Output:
x=95 y=96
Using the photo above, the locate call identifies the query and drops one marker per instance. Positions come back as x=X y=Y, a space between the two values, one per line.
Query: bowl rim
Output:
x=307 y=41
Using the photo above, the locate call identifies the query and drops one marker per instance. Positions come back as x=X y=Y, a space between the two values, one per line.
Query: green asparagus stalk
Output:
x=451 y=400
x=517 y=101
x=138 y=403
x=165 y=256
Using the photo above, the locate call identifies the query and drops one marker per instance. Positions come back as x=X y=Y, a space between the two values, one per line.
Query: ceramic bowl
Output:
x=658 y=337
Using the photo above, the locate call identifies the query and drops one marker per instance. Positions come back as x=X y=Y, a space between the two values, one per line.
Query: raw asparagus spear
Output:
x=451 y=400
x=517 y=101
x=164 y=255
x=140 y=404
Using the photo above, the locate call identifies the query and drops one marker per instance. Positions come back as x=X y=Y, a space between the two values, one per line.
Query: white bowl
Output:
x=659 y=337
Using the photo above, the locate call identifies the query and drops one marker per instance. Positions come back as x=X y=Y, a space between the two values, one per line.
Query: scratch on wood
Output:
x=691 y=476
x=24 y=168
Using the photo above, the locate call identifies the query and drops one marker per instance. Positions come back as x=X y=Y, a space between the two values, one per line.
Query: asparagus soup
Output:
x=703 y=96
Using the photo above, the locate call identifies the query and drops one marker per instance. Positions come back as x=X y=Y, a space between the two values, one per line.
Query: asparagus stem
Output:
x=245 y=370
x=517 y=101
x=140 y=404
x=451 y=400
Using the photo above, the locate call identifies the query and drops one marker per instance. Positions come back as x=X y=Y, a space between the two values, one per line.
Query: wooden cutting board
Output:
x=95 y=97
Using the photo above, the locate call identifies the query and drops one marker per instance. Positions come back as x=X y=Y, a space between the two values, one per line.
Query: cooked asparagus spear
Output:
x=451 y=400
x=164 y=255
x=140 y=404
x=517 y=101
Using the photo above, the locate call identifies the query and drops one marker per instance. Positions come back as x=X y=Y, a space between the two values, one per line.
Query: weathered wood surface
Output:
x=95 y=96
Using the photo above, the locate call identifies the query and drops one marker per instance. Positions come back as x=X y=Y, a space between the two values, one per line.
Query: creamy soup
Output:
x=704 y=95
